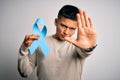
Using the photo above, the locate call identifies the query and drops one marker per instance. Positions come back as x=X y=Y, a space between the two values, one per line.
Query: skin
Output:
x=65 y=28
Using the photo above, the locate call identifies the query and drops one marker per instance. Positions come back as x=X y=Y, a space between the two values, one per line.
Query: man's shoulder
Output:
x=49 y=38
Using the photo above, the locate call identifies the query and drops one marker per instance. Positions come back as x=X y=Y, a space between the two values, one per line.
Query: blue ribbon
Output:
x=41 y=41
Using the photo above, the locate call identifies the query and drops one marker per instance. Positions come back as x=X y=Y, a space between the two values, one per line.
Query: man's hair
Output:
x=68 y=11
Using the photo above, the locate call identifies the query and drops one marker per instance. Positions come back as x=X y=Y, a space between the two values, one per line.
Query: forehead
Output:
x=68 y=22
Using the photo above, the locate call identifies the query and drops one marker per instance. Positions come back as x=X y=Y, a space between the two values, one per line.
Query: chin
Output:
x=62 y=39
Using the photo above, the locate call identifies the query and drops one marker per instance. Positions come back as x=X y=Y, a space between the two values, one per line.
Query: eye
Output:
x=73 y=29
x=64 y=26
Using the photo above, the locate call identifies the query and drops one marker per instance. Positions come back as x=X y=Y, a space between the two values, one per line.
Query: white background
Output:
x=18 y=16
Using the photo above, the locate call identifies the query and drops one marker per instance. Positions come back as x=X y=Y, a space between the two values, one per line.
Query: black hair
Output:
x=68 y=11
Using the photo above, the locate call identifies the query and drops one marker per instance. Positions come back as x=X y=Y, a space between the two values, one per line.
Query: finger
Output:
x=79 y=21
x=69 y=39
x=79 y=26
x=86 y=19
x=26 y=37
x=28 y=43
x=33 y=37
x=82 y=18
x=29 y=39
x=90 y=22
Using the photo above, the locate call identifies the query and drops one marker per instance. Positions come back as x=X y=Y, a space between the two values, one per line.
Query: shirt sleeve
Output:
x=83 y=53
x=26 y=62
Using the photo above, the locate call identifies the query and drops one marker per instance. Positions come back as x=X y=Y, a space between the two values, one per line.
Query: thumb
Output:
x=69 y=39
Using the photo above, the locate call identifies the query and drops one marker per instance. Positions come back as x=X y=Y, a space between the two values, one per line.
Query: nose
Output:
x=66 y=31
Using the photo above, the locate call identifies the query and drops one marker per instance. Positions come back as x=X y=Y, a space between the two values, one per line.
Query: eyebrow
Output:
x=66 y=26
x=63 y=25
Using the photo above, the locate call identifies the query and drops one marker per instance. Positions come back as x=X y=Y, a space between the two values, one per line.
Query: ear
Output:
x=56 y=22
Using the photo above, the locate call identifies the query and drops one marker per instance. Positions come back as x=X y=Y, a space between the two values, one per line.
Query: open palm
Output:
x=86 y=36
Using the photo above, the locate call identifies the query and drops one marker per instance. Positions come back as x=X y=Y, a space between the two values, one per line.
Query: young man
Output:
x=67 y=55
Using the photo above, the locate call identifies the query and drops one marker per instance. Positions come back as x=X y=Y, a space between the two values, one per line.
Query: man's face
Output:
x=65 y=27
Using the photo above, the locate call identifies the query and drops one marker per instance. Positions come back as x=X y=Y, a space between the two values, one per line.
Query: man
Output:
x=67 y=55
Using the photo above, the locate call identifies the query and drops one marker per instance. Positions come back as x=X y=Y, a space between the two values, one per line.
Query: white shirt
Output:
x=64 y=61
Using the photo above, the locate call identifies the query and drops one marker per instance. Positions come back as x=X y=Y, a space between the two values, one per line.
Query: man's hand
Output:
x=86 y=36
x=29 y=39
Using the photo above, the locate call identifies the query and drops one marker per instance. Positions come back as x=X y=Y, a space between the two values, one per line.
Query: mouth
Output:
x=62 y=37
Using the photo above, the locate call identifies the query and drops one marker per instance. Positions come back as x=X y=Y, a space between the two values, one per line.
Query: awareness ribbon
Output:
x=41 y=41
